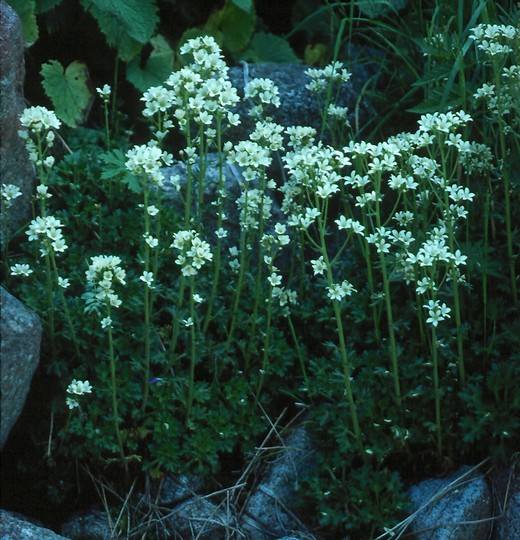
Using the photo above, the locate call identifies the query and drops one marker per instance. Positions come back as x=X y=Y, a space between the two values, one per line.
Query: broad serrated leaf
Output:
x=127 y=24
x=379 y=8
x=157 y=68
x=138 y=18
x=26 y=11
x=265 y=47
x=115 y=169
x=68 y=90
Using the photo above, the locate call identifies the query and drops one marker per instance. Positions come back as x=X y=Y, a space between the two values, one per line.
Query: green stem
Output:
x=436 y=390
x=265 y=356
x=115 y=412
x=193 y=351
x=391 y=331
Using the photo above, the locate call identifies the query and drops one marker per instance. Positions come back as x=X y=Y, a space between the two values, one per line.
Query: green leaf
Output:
x=379 y=8
x=68 y=91
x=116 y=170
x=235 y=25
x=26 y=10
x=157 y=68
x=265 y=47
x=127 y=24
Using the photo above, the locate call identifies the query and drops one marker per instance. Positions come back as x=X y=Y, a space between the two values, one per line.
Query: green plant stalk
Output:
x=147 y=303
x=265 y=356
x=193 y=351
x=330 y=85
x=202 y=174
x=240 y=283
x=218 y=249
x=436 y=390
x=388 y=303
x=50 y=303
x=341 y=333
x=485 y=267
x=187 y=217
x=115 y=412
x=258 y=279
x=64 y=302
x=391 y=331
x=454 y=277
x=298 y=350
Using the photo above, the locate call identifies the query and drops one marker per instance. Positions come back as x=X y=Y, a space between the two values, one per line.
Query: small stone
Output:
x=13 y=526
x=451 y=505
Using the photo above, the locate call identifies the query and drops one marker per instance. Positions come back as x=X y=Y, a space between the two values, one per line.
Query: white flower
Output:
x=188 y=322
x=63 y=282
x=198 y=299
x=221 y=233
x=21 y=270
x=72 y=403
x=274 y=279
x=318 y=266
x=79 y=387
x=152 y=210
x=8 y=193
x=106 y=322
x=104 y=93
x=147 y=277
x=150 y=240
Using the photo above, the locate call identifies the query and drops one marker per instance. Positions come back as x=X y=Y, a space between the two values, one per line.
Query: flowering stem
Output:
x=218 y=249
x=65 y=307
x=193 y=351
x=298 y=350
x=50 y=302
x=391 y=332
x=436 y=390
x=265 y=356
x=115 y=413
x=147 y=301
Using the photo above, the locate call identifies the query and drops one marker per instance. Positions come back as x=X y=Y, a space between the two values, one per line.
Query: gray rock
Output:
x=269 y=512
x=15 y=167
x=21 y=332
x=453 y=508
x=15 y=527
x=91 y=525
x=508 y=527
x=200 y=518
x=298 y=106
x=172 y=490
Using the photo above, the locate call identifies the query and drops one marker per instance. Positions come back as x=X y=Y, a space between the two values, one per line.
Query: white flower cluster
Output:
x=47 y=230
x=495 y=39
x=147 y=161
x=40 y=124
x=77 y=388
x=261 y=92
x=194 y=252
x=102 y=272
x=9 y=192
x=501 y=97
x=321 y=78
x=254 y=206
x=200 y=91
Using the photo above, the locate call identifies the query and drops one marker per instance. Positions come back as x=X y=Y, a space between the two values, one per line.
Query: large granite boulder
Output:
x=21 y=332
x=506 y=484
x=298 y=106
x=16 y=527
x=15 y=167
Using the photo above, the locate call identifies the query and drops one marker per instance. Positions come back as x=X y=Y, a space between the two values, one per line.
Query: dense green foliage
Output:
x=373 y=282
